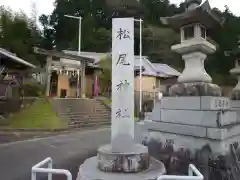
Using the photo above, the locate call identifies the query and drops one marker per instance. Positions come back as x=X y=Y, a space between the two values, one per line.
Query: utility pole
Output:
x=79 y=48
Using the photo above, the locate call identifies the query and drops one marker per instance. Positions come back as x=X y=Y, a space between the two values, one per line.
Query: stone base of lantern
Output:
x=195 y=89
x=194 y=122
x=89 y=171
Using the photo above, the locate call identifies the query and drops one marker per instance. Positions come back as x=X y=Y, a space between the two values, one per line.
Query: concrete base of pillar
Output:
x=129 y=162
x=89 y=171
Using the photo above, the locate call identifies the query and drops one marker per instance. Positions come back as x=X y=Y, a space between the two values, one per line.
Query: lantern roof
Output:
x=195 y=13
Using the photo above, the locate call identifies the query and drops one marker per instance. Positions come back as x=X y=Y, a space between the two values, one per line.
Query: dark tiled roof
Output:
x=150 y=69
x=13 y=57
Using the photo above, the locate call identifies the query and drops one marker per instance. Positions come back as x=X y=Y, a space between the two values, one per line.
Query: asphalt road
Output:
x=67 y=151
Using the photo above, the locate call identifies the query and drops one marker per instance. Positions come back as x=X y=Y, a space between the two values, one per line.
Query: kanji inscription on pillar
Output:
x=123 y=77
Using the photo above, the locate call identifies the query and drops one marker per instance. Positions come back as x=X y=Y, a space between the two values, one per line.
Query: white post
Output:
x=80 y=34
x=79 y=47
x=140 y=57
x=78 y=84
x=140 y=98
x=34 y=176
x=79 y=51
x=50 y=166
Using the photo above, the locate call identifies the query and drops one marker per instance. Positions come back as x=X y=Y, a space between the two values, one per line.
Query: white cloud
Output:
x=46 y=6
x=232 y=4
x=42 y=6
x=220 y=4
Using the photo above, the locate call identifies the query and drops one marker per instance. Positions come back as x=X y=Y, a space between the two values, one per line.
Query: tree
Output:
x=48 y=33
x=94 y=16
x=18 y=34
x=97 y=16
x=106 y=75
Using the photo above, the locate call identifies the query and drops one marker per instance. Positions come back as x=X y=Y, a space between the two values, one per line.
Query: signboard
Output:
x=122 y=77
x=219 y=103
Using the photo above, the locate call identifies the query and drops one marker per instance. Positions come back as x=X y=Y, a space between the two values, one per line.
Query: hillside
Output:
x=62 y=33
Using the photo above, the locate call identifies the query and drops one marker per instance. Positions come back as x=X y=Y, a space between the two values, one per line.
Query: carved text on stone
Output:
x=123 y=84
x=122 y=60
x=122 y=113
x=123 y=34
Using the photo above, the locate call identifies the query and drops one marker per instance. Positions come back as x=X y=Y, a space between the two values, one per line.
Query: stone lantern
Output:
x=195 y=115
x=235 y=95
x=193 y=25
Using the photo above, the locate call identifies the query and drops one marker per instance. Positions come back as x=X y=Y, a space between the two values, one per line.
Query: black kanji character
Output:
x=122 y=60
x=123 y=34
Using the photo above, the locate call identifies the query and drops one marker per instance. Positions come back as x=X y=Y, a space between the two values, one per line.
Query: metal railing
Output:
x=192 y=170
x=38 y=168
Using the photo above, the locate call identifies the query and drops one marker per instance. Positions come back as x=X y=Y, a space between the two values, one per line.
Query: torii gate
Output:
x=53 y=53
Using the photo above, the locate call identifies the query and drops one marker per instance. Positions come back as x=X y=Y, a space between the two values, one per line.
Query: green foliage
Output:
x=33 y=89
x=19 y=34
x=106 y=74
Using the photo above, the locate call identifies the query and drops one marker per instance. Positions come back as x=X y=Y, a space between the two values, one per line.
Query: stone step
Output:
x=81 y=113
x=86 y=104
x=75 y=121
x=81 y=109
x=79 y=118
x=74 y=103
x=87 y=116
x=105 y=111
x=89 y=124
x=85 y=108
x=78 y=105
x=85 y=113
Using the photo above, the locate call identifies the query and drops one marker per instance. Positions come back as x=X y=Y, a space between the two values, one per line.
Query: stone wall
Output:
x=9 y=106
x=211 y=166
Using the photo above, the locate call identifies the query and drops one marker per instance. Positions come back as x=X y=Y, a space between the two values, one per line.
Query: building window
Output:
x=188 y=32
x=203 y=32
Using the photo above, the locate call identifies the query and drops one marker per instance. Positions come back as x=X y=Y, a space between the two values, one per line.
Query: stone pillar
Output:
x=83 y=81
x=235 y=95
x=78 y=83
x=48 y=74
x=123 y=156
x=96 y=76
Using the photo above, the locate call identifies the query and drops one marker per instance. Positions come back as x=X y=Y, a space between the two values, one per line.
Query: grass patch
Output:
x=39 y=115
x=107 y=101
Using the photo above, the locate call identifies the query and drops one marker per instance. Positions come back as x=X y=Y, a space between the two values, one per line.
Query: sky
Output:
x=46 y=6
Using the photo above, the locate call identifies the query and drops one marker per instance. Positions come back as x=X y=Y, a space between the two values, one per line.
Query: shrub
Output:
x=33 y=89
